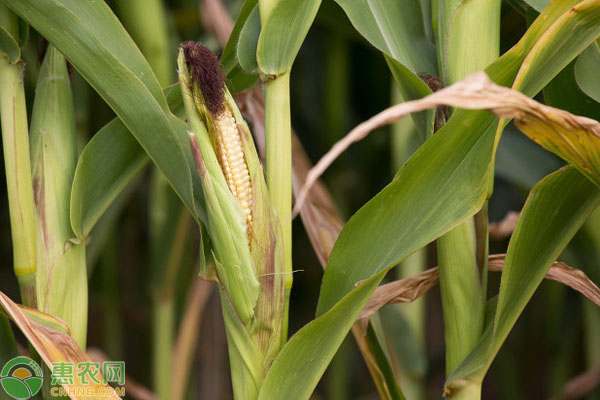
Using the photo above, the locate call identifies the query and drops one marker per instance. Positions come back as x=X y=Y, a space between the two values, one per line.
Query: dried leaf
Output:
x=562 y=273
x=52 y=345
x=575 y=139
x=410 y=289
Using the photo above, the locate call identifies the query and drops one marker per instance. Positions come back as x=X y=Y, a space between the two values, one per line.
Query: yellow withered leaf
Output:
x=47 y=334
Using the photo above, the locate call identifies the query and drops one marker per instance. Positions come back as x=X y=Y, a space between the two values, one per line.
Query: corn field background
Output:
x=304 y=199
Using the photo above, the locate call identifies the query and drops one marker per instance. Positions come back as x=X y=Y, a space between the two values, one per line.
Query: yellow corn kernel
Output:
x=228 y=145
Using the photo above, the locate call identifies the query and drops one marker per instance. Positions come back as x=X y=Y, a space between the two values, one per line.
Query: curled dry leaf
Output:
x=573 y=138
x=504 y=228
x=53 y=345
x=409 y=289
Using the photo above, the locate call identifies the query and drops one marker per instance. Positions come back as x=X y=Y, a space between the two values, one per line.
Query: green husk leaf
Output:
x=61 y=275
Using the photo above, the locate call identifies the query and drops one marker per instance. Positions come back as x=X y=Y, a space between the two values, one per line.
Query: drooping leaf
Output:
x=96 y=44
x=97 y=182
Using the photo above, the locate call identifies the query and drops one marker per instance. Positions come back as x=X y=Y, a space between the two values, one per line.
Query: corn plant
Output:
x=185 y=110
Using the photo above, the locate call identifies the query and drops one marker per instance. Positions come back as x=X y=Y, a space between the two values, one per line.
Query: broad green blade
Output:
x=93 y=40
x=282 y=34
x=414 y=209
x=556 y=208
x=396 y=28
x=580 y=26
x=97 y=183
x=299 y=366
x=586 y=71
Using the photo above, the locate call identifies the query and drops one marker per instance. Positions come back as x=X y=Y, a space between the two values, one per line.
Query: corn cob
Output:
x=225 y=134
x=233 y=163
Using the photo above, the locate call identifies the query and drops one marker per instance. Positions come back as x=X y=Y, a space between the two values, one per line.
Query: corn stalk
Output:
x=244 y=231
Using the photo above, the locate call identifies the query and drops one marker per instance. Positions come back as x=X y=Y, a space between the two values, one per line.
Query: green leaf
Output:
x=248 y=42
x=300 y=364
x=93 y=40
x=586 y=71
x=572 y=32
x=417 y=207
x=282 y=34
x=97 y=183
x=556 y=208
x=229 y=57
x=396 y=28
x=238 y=79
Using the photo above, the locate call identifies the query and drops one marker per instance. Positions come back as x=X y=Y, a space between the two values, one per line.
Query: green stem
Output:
x=17 y=162
x=278 y=133
x=463 y=299
x=462 y=251
x=471 y=390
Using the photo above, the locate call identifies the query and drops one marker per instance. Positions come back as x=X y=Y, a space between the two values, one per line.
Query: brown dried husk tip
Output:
x=206 y=71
